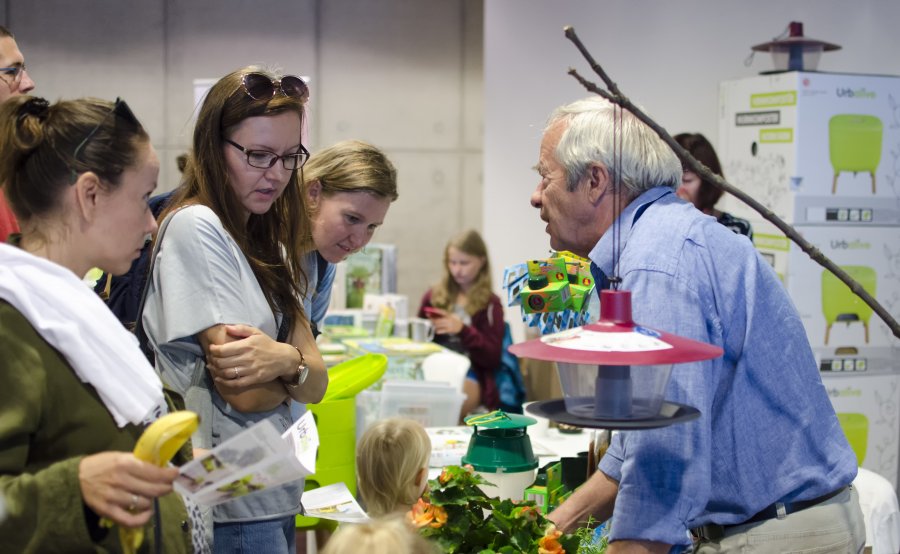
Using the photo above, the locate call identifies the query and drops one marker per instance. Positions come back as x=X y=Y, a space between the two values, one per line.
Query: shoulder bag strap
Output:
x=143 y=340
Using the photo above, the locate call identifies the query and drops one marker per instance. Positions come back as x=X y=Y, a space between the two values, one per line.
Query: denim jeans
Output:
x=276 y=536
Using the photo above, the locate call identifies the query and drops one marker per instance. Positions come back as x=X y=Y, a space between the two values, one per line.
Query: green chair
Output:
x=840 y=304
x=856 y=428
x=854 y=144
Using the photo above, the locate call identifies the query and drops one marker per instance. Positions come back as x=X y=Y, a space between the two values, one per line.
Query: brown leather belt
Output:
x=714 y=531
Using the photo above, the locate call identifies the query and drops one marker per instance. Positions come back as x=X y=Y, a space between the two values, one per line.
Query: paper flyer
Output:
x=333 y=502
x=253 y=460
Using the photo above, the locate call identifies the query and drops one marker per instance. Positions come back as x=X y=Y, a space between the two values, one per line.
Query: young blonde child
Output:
x=392 y=465
x=388 y=535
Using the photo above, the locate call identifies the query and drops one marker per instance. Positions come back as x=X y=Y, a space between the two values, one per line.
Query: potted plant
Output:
x=460 y=518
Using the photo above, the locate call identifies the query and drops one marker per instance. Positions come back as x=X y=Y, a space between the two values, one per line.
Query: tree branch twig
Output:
x=613 y=94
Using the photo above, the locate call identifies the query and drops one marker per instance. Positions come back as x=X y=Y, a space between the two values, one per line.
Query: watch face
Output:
x=303 y=373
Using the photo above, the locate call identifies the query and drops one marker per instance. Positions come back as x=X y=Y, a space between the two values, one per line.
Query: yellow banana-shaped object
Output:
x=158 y=443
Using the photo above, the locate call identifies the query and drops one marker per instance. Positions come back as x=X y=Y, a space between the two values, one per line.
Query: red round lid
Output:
x=615 y=340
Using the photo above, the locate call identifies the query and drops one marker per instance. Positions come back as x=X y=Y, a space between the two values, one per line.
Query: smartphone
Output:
x=432 y=312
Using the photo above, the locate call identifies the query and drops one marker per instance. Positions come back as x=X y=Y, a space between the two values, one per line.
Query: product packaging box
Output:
x=867 y=408
x=371 y=270
x=844 y=331
x=815 y=148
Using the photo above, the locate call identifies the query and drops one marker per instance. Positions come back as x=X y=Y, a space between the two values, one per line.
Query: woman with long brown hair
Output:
x=223 y=309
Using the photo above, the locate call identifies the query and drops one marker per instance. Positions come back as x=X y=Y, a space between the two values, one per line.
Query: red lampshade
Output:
x=615 y=340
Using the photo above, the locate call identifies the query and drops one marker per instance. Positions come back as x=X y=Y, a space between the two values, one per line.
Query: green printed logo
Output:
x=771 y=242
x=846 y=392
x=785 y=135
x=772 y=99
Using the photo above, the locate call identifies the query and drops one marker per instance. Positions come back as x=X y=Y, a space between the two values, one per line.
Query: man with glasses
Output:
x=15 y=81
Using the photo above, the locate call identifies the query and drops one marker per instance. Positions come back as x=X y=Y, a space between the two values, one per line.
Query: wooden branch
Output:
x=615 y=95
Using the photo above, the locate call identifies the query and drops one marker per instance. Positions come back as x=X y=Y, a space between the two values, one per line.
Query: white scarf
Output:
x=74 y=320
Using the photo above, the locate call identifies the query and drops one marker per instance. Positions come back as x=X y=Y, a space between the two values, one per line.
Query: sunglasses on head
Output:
x=120 y=109
x=260 y=86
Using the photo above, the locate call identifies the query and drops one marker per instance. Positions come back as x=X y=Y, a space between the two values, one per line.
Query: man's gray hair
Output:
x=646 y=161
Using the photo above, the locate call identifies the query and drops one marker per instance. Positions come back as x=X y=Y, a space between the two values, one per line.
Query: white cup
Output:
x=540 y=428
x=421 y=329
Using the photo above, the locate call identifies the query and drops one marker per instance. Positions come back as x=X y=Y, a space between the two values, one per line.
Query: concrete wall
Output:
x=405 y=75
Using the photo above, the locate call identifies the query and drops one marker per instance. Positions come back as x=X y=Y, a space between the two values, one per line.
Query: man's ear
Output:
x=313 y=194
x=598 y=182
x=87 y=195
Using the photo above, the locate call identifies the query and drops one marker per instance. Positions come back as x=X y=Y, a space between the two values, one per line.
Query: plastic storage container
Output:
x=431 y=404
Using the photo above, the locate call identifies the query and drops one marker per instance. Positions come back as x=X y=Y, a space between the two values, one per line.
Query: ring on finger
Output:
x=134 y=500
x=237 y=372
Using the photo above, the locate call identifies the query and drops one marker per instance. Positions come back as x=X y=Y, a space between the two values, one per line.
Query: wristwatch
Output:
x=302 y=372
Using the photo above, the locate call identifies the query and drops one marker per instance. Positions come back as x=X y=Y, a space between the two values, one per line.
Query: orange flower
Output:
x=444 y=477
x=440 y=516
x=548 y=544
x=469 y=467
x=421 y=514
x=528 y=512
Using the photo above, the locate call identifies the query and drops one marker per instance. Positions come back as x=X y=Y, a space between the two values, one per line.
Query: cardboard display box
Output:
x=843 y=331
x=815 y=148
x=867 y=408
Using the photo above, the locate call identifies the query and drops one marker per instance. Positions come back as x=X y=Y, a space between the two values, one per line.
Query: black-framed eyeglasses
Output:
x=15 y=72
x=120 y=109
x=264 y=159
x=260 y=86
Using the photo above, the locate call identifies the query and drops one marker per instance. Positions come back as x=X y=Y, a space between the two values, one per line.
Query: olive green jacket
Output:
x=50 y=420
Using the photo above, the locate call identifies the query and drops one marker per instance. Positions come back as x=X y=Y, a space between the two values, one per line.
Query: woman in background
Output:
x=468 y=316
x=77 y=392
x=700 y=192
x=224 y=310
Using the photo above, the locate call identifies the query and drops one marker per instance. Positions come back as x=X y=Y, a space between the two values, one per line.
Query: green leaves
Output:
x=477 y=524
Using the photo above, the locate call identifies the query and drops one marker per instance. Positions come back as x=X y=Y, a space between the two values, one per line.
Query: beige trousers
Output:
x=832 y=527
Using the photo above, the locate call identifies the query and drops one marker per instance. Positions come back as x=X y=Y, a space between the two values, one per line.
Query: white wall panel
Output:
x=668 y=57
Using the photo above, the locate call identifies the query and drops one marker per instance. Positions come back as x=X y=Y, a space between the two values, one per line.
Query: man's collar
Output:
x=602 y=253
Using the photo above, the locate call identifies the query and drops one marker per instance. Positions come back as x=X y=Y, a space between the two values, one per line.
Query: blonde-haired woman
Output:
x=468 y=316
x=349 y=187
x=392 y=465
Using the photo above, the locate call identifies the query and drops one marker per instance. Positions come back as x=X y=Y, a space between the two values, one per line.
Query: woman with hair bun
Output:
x=77 y=391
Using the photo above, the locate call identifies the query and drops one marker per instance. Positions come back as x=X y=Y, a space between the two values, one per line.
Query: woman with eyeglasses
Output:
x=76 y=391
x=223 y=310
